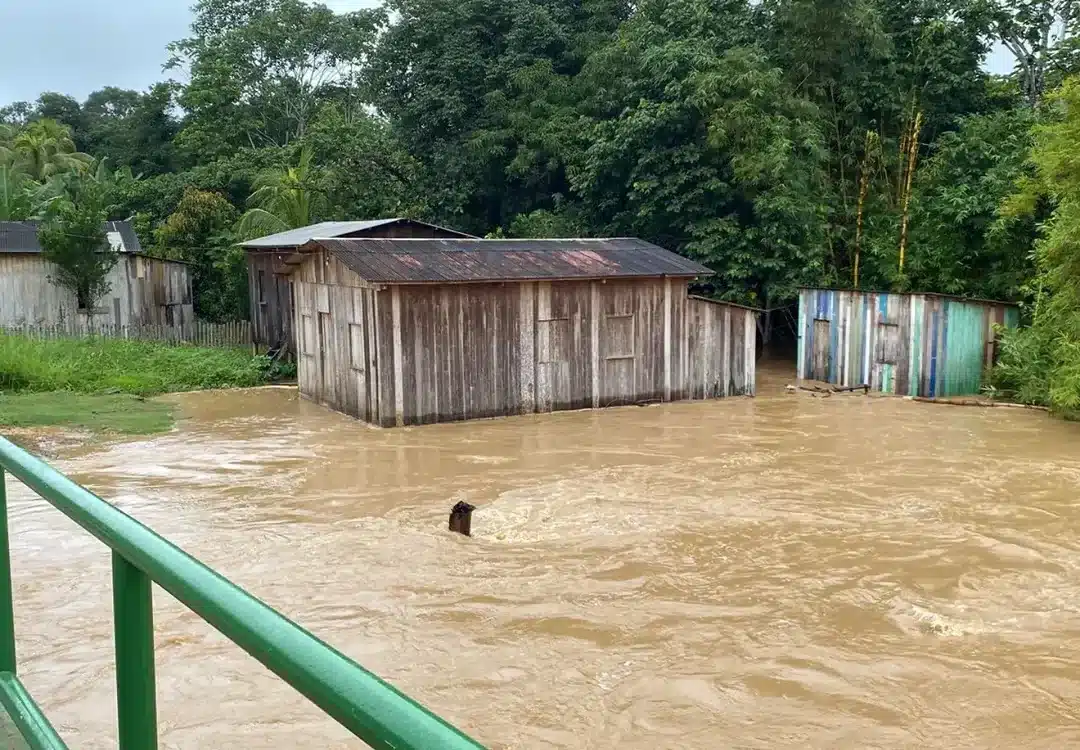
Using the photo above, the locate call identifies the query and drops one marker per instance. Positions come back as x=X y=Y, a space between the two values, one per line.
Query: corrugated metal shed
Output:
x=21 y=237
x=441 y=261
x=297 y=237
x=929 y=345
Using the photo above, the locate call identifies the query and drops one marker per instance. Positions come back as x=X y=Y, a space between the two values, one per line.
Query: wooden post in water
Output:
x=461 y=518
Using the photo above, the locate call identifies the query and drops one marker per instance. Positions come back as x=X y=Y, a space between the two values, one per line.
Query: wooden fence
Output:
x=197 y=333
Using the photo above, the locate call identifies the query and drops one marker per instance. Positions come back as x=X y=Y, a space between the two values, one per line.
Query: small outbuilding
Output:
x=413 y=331
x=268 y=277
x=930 y=345
x=143 y=290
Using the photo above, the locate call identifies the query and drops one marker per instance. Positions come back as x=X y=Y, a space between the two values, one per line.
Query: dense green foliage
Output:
x=72 y=237
x=782 y=142
x=1041 y=364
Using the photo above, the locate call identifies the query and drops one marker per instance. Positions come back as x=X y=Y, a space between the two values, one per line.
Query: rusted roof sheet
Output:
x=297 y=237
x=21 y=237
x=439 y=261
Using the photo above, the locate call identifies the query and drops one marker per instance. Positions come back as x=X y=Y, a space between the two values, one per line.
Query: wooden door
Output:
x=822 y=341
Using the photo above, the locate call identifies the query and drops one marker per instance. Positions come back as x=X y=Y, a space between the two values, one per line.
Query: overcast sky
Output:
x=78 y=46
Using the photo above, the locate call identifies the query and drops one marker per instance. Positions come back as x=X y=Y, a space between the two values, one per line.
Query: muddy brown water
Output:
x=787 y=571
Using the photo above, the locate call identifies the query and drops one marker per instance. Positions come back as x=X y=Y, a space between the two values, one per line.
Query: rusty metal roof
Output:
x=297 y=237
x=21 y=237
x=439 y=261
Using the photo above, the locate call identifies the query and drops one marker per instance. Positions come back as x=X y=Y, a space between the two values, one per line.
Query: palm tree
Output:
x=44 y=148
x=7 y=134
x=17 y=190
x=282 y=198
x=16 y=193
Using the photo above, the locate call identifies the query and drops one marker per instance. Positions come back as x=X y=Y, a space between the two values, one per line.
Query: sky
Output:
x=78 y=46
x=94 y=43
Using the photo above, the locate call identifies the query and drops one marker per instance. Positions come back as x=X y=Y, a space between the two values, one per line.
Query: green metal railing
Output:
x=365 y=705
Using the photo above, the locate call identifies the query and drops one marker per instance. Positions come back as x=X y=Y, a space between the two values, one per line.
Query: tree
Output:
x=199 y=232
x=16 y=113
x=1038 y=33
x=44 y=148
x=960 y=243
x=16 y=198
x=559 y=223
x=696 y=142
x=479 y=91
x=64 y=110
x=131 y=129
x=874 y=67
x=73 y=239
x=259 y=70
x=1041 y=364
x=284 y=198
x=368 y=174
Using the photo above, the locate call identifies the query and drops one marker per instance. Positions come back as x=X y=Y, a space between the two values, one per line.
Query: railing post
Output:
x=133 y=614
x=7 y=608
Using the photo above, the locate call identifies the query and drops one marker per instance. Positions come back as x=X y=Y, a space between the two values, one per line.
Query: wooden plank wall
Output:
x=27 y=297
x=151 y=291
x=270 y=300
x=910 y=344
x=337 y=345
x=142 y=292
x=271 y=296
x=418 y=354
x=198 y=332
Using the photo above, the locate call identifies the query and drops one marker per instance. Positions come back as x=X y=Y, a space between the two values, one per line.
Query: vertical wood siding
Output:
x=270 y=291
x=417 y=354
x=907 y=344
x=142 y=292
x=270 y=285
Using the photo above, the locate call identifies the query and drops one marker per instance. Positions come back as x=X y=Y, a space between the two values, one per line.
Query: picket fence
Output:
x=197 y=333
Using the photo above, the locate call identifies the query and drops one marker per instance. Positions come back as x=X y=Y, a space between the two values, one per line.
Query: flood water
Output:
x=779 y=572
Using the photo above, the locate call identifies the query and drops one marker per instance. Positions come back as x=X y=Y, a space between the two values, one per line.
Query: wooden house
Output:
x=143 y=290
x=930 y=345
x=268 y=277
x=413 y=331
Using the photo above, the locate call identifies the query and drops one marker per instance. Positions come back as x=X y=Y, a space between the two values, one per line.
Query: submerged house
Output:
x=268 y=276
x=143 y=290
x=930 y=345
x=413 y=331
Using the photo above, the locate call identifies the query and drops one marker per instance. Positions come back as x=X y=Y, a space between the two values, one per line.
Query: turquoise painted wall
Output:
x=919 y=344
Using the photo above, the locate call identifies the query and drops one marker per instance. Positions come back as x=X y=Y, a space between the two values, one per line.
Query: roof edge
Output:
x=725 y=302
x=246 y=244
x=941 y=295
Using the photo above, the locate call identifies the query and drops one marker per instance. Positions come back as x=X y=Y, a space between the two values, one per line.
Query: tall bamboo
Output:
x=912 y=157
x=864 y=186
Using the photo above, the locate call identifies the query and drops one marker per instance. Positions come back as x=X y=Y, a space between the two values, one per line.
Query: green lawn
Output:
x=101 y=384
x=99 y=412
x=140 y=367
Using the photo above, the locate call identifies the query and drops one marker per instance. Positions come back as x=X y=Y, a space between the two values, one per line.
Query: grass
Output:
x=115 y=366
x=101 y=384
x=99 y=412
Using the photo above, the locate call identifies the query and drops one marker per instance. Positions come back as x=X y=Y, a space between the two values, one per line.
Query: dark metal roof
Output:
x=297 y=237
x=412 y=261
x=21 y=237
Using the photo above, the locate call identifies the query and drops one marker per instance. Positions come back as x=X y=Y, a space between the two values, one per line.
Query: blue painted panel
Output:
x=934 y=322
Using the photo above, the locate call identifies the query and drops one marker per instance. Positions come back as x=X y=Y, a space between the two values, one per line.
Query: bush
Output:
x=113 y=366
x=1041 y=365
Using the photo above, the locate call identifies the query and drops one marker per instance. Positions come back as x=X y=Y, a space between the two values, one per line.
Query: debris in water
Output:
x=461 y=518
